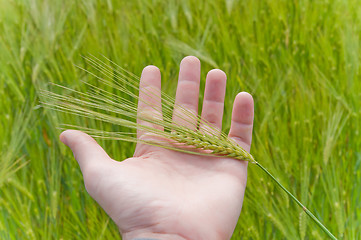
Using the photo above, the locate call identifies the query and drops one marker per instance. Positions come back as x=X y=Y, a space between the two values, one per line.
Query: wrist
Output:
x=140 y=235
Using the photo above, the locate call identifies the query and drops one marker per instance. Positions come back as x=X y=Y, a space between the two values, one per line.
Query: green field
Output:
x=299 y=59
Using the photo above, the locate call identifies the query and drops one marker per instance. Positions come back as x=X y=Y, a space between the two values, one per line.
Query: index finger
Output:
x=149 y=103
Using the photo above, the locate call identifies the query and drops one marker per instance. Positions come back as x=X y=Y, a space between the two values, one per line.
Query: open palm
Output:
x=164 y=194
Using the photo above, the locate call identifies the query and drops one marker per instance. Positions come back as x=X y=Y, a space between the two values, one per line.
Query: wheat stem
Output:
x=308 y=212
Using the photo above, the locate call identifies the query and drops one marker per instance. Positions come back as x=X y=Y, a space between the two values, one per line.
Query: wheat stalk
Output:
x=105 y=106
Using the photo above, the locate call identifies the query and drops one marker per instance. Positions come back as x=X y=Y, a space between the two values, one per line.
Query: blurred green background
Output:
x=299 y=59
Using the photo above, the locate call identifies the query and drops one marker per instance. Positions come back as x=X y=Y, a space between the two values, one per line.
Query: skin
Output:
x=164 y=194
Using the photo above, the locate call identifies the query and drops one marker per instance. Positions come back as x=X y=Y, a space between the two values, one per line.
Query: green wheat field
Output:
x=300 y=59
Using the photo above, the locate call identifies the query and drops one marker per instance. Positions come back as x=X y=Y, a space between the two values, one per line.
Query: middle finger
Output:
x=186 y=101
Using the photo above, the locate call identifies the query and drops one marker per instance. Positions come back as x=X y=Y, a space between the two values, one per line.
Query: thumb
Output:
x=88 y=153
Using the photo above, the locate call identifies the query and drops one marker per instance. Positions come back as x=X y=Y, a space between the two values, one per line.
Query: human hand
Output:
x=165 y=194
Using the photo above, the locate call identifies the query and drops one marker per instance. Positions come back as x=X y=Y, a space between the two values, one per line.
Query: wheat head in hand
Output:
x=164 y=193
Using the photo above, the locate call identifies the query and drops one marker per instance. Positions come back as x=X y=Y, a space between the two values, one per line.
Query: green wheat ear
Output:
x=121 y=109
